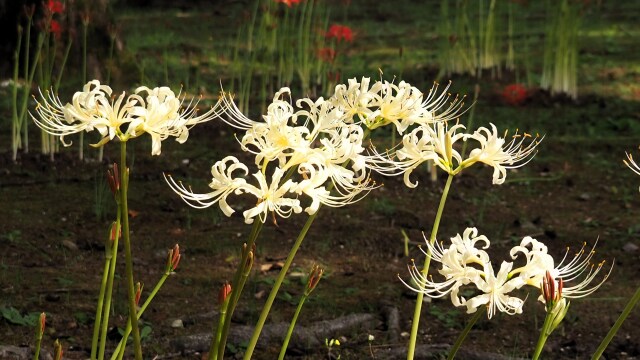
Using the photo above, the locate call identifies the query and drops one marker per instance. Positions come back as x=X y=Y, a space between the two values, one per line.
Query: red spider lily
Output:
x=288 y=2
x=514 y=94
x=55 y=6
x=327 y=54
x=55 y=28
x=340 y=32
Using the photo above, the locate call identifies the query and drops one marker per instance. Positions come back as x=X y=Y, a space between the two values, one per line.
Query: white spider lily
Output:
x=577 y=273
x=224 y=183
x=440 y=107
x=496 y=289
x=95 y=109
x=428 y=142
x=400 y=105
x=91 y=109
x=357 y=99
x=496 y=152
x=461 y=264
x=271 y=197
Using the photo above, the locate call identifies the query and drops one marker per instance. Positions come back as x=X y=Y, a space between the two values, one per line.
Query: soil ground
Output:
x=575 y=190
x=52 y=247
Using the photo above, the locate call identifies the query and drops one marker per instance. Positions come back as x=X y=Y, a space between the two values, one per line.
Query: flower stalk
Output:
x=124 y=210
x=276 y=287
x=172 y=263
x=425 y=270
x=314 y=278
x=463 y=335
x=111 y=251
x=223 y=302
x=556 y=307
x=39 y=332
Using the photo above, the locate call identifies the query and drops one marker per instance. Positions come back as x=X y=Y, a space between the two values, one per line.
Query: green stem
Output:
x=237 y=286
x=465 y=332
x=274 y=291
x=215 y=344
x=614 y=329
x=544 y=334
x=36 y=355
x=15 y=123
x=285 y=343
x=124 y=185
x=103 y=286
x=119 y=351
x=425 y=270
x=112 y=272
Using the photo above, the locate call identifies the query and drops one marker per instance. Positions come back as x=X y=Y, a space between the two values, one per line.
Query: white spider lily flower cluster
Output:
x=315 y=148
x=437 y=142
x=400 y=104
x=305 y=150
x=158 y=112
x=463 y=264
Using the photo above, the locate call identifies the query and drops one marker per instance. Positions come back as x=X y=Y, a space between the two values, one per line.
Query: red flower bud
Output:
x=41 y=325
x=224 y=293
x=138 y=292
x=113 y=178
x=173 y=258
x=314 y=278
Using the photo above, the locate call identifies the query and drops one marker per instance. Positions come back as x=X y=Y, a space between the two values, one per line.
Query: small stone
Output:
x=630 y=247
x=584 y=197
x=69 y=245
x=177 y=323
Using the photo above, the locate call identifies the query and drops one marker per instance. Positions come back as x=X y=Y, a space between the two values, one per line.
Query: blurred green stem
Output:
x=465 y=332
x=614 y=329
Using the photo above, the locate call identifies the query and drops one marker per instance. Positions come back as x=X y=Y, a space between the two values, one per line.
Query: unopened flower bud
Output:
x=224 y=293
x=314 y=278
x=41 y=324
x=138 y=292
x=249 y=255
x=85 y=18
x=550 y=293
x=248 y=264
x=173 y=259
x=29 y=10
x=57 y=350
x=114 y=232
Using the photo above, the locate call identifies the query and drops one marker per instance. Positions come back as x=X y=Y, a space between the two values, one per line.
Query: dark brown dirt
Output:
x=573 y=192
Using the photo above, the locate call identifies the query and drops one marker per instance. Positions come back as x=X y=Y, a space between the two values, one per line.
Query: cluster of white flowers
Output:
x=314 y=148
x=158 y=112
x=436 y=142
x=465 y=264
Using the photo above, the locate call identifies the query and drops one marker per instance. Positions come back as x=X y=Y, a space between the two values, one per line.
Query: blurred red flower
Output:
x=340 y=32
x=55 y=28
x=55 y=6
x=288 y=2
x=514 y=94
